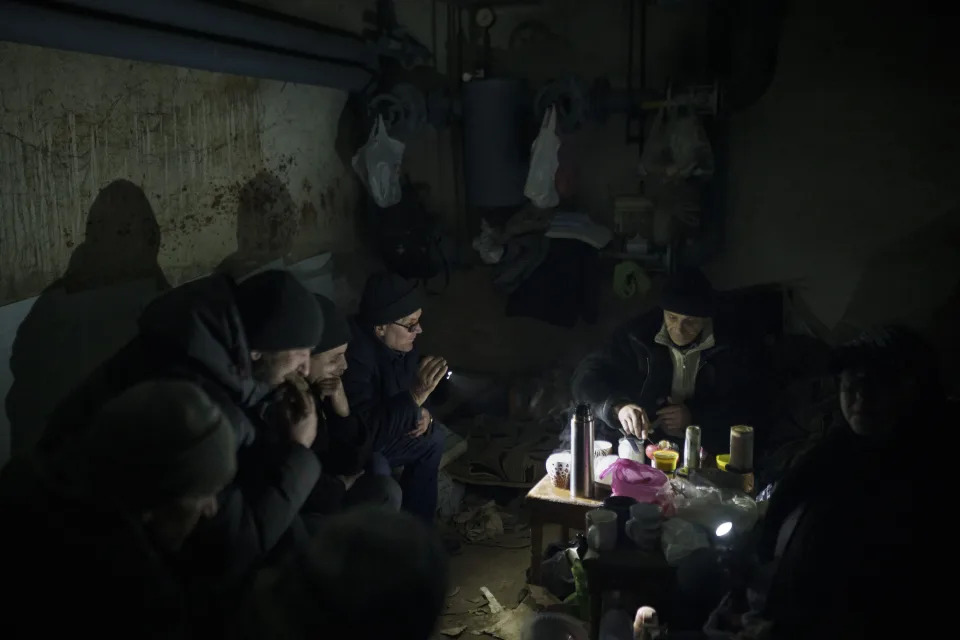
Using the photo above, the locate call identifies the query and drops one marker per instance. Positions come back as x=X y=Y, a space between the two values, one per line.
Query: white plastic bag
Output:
x=378 y=164
x=681 y=538
x=677 y=147
x=488 y=244
x=541 y=185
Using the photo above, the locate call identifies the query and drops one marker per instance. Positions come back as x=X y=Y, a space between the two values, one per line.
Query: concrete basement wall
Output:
x=119 y=179
x=844 y=175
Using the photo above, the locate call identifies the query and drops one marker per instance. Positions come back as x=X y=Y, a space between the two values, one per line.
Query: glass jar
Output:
x=631 y=449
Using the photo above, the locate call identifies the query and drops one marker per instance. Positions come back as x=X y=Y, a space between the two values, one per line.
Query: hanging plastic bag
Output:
x=378 y=164
x=677 y=147
x=541 y=185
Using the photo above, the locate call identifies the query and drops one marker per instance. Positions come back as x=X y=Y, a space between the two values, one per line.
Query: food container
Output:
x=626 y=450
x=666 y=460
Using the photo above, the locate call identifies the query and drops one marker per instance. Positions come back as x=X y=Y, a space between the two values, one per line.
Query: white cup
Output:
x=645 y=512
x=642 y=534
x=601 y=529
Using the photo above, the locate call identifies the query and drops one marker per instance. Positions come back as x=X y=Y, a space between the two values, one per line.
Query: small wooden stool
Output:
x=548 y=504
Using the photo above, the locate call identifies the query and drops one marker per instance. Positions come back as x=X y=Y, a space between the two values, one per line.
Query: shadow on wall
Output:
x=89 y=313
x=267 y=224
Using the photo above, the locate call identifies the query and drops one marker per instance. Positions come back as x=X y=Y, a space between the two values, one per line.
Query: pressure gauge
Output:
x=484 y=17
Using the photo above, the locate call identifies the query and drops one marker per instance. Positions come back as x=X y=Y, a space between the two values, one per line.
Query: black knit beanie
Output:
x=689 y=293
x=156 y=442
x=278 y=312
x=336 y=330
x=387 y=298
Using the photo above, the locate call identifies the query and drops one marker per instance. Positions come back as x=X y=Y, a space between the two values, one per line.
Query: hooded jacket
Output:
x=195 y=332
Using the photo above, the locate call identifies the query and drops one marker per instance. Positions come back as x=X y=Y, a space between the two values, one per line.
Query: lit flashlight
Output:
x=449 y=373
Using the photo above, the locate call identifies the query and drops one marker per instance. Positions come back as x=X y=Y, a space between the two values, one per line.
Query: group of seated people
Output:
x=198 y=481
x=231 y=472
x=834 y=555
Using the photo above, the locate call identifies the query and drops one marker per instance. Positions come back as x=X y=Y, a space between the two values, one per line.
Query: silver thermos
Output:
x=581 y=453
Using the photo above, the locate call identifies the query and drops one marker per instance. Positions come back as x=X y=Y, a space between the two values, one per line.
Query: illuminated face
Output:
x=682 y=329
x=328 y=364
x=400 y=334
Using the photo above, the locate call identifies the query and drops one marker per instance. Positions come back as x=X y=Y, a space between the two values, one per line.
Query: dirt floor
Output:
x=501 y=570
x=500 y=565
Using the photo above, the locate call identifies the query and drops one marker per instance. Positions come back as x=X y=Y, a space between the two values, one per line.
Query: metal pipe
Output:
x=59 y=28
x=240 y=22
x=631 y=25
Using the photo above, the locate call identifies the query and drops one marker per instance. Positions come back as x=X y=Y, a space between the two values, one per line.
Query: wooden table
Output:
x=548 y=504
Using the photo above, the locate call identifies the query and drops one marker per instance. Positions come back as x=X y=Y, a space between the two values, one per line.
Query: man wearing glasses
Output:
x=388 y=384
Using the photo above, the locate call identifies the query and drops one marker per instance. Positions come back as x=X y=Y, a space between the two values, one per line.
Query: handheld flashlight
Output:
x=449 y=373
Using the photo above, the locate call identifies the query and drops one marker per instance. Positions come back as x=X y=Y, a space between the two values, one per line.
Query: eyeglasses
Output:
x=409 y=327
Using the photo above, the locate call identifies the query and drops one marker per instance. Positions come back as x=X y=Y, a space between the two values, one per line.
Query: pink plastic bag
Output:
x=638 y=481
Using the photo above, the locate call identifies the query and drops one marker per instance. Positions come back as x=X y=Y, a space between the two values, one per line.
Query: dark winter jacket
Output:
x=343 y=447
x=840 y=533
x=633 y=367
x=71 y=566
x=378 y=383
x=195 y=332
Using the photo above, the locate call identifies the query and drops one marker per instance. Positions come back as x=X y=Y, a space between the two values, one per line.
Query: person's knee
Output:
x=388 y=492
x=433 y=447
x=379 y=465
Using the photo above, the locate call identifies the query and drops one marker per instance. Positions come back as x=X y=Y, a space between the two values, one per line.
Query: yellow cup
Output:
x=666 y=460
x=722 y=461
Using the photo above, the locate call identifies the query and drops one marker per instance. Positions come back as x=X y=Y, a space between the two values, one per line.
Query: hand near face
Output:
x=332 y=388
x=432 y=370
x=422 y=424
x=674 y=418
x=302 y=416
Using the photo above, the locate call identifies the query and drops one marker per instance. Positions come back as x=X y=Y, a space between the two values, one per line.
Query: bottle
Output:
x=581 y=453
x=691 y=448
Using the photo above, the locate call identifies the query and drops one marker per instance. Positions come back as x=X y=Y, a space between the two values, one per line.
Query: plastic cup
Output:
x=722 y=461
x=558 y=468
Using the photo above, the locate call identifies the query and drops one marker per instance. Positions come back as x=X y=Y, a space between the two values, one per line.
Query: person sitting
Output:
x=388 y=385
x=668 y=369
x=352 y=473
x=237 y=342
x=368 y=573
x=843 y=511
x=89 y=536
